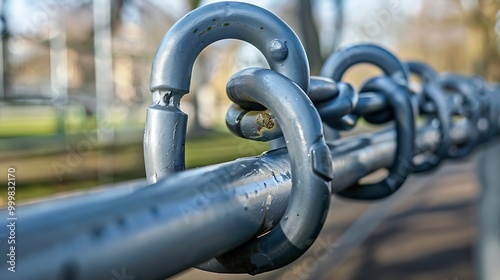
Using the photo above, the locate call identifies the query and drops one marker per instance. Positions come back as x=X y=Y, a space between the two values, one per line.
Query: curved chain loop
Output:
x=337 y=64
x=166 y=124
x=465 y=106
x=482 y=94
x=311 y=172
x=433 y=104
x=340 y=61
x=399 y=99
x=334 y=107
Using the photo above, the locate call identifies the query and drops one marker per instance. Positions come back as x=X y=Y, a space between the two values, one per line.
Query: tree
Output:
x=483 y=18
x=197 y=129
x=309 y=32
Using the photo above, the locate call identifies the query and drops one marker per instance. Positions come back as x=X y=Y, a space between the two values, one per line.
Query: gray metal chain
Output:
x=258 y=213
x=171 y=75
x=262 y=102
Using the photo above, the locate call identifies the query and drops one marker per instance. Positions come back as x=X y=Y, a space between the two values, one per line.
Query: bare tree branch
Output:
x=310 y=35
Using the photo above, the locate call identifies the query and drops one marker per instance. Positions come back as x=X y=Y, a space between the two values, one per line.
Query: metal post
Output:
x=59 y=69
x=489 y=214
x=104 y=85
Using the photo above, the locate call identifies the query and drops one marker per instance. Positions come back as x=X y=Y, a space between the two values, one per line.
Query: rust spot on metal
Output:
x=265 y=120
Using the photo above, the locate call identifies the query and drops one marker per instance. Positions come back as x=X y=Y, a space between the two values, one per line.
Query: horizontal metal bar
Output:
x=159 y=230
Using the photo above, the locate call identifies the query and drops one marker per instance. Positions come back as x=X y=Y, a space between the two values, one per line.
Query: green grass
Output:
x=32 y=127
x=40 y=120
x=220 y=147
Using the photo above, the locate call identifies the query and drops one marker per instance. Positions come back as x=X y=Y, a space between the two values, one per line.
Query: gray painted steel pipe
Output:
x=157 y=231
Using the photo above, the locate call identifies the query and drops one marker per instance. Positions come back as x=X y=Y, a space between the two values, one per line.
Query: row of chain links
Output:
x=441 y=99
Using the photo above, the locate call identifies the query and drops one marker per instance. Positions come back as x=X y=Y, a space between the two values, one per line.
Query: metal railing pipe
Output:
x=196 y=214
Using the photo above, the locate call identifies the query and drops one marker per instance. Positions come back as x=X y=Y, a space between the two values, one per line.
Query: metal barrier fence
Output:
x=260 y=213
